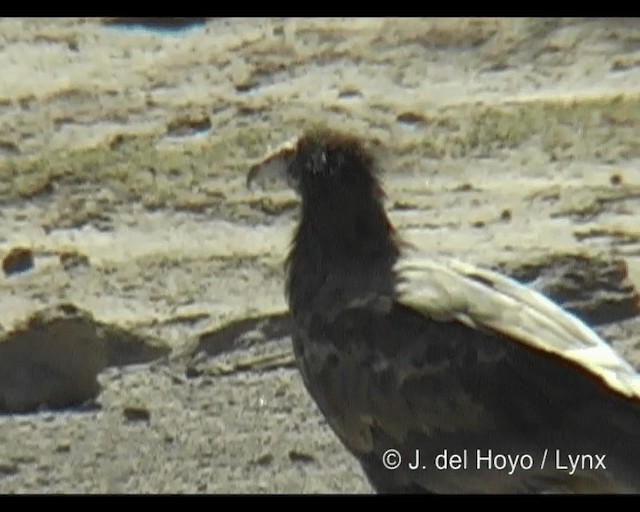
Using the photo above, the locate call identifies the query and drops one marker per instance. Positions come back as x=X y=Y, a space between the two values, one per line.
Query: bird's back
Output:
x=507 y=418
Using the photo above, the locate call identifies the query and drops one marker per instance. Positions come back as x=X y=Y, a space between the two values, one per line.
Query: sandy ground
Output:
x=155 y=303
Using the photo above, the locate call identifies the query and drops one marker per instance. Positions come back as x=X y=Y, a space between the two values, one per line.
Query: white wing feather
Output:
x=447 y=289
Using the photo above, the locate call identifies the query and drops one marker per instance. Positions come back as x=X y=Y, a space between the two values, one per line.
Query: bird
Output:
x=437 y=375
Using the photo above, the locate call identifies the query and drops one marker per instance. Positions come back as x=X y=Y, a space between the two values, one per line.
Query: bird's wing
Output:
x=447 y=289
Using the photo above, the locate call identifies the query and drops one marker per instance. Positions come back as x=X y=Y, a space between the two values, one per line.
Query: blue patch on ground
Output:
x=165 y=27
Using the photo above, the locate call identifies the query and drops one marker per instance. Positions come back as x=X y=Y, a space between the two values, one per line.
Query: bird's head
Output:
x=321 y=165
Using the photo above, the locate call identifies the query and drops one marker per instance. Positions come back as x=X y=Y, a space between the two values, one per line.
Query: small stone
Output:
x=265 y=459
x=64 y=447
x=615 y=179
x=19 y=259
x=8 y=469
x=136 y=414
x=296 y=456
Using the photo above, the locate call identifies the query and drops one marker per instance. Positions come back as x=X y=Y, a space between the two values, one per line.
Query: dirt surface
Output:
x=143 y=282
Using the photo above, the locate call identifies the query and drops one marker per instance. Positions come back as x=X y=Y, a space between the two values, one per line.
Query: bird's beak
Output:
x=271 y=171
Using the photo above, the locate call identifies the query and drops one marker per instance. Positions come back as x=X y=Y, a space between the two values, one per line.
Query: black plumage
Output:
x=415 y=353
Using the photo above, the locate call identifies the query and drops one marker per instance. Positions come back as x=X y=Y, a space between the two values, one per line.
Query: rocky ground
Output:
x=144 y=337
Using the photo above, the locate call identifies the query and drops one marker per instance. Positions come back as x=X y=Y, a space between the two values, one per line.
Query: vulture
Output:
x=437 y=375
